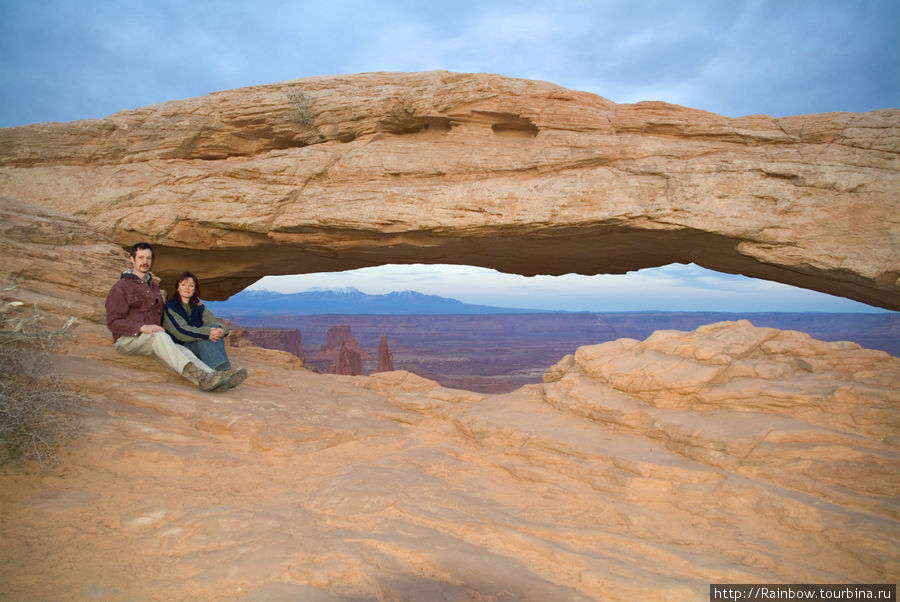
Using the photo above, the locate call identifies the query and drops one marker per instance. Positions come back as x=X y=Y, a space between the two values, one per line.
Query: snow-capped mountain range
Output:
x=349 y=300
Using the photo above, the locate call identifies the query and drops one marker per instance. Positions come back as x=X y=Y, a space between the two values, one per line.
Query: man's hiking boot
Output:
x=232 y=378
x=206 y=381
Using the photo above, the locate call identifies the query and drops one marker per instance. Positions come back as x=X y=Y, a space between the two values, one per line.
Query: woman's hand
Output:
x=215 y=334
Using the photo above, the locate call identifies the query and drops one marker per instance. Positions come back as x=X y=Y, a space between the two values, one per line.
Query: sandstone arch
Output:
x=342 y=172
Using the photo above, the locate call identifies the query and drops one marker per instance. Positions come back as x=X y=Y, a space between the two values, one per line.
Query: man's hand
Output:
x=151 y=328
x=215 y=334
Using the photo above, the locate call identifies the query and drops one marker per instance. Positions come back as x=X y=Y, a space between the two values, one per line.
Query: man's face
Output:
x=141 y=262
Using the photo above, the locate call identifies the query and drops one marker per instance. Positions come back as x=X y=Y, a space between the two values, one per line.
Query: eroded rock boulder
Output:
x=752 y=389
x=333 y=173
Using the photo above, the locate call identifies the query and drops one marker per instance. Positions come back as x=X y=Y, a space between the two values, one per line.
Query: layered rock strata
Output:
x=333 y=173
x=57 y=261
x=283 y=339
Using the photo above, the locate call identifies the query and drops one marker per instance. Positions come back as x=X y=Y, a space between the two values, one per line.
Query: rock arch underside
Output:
x=334 y=173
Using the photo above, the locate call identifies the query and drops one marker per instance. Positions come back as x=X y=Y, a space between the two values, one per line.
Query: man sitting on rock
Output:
x=134 y=309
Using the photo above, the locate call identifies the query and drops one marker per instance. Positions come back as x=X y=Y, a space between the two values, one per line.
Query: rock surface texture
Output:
x=638 y=471
x=334 y=173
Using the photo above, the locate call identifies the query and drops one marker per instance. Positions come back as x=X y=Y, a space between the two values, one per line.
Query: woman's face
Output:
x=186 y=289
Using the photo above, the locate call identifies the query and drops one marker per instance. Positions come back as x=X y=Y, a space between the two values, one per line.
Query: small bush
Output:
x=301 y=108
x=37 y=413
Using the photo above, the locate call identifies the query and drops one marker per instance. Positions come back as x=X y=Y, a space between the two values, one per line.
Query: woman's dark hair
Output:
x=195 y=298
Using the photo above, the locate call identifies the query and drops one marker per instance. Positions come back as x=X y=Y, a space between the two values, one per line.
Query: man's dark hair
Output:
x=140 y=245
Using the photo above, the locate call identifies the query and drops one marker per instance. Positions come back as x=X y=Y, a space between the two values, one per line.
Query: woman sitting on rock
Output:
x=189 y=323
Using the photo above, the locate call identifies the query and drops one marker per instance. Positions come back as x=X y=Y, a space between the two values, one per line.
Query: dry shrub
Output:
x=37 y=413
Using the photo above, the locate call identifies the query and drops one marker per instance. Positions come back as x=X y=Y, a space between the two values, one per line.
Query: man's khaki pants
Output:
x=162 y=348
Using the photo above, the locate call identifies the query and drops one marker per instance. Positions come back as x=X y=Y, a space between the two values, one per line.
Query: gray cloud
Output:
x=65 y=60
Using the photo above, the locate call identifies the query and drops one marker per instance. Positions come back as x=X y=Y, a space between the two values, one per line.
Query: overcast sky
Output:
x=77 y=59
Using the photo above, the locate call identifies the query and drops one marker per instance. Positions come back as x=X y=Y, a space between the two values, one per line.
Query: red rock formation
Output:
x=385 y=357
x=337 y=336
x=283 y=339
x=348 y=362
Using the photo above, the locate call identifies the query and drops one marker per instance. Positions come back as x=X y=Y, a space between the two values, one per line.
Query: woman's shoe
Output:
x=231 y=378
x=206 y=381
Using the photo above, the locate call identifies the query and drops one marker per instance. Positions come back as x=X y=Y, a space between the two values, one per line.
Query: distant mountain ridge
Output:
x=350 y=301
